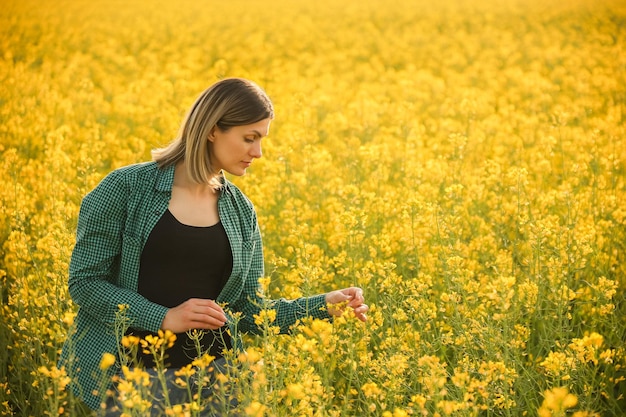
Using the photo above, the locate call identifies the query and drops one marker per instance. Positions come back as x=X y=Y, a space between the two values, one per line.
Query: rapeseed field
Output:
x=464 y=162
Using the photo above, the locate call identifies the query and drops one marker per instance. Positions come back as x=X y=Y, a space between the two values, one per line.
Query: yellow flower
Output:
x=558 y=363
x=168 y=337
x=398 y=412
x=255 y=409
x=252 y=355
x=296 y=390
x=106 y=361
x=370 y=389
x=203 y=361
x=137 y=375
x=185 y=371
x=264 y=283
x=128 y=341
x=586 y=349
x=557 y=400
x=265 y=316
x=68 y=318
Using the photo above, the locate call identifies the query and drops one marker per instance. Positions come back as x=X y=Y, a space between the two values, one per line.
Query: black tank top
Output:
x=180 y=262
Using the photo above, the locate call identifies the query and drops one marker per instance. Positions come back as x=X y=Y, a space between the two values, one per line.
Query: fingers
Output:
x=361 y=312
x=206 y=321
x=205 y=314
x=355 y=295
x=207 y=310
x=355 y=300
x=195 y=313
x=336 y=297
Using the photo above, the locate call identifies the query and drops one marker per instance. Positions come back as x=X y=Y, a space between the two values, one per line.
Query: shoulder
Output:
x=129 y=175
x=120 y=182
x=135 y=172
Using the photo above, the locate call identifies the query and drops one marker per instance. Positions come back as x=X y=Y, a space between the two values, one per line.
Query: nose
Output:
x=255 y=151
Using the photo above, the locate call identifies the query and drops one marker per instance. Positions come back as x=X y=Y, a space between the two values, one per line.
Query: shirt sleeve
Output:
x=95 y=261
x=288 y=312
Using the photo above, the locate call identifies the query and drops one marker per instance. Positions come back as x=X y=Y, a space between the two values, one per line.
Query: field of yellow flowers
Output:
x=464 y=162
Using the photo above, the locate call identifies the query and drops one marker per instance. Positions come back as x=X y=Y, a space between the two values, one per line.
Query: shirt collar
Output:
x=165 y=178
x=227 y=186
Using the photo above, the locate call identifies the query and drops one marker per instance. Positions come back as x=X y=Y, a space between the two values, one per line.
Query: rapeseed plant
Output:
x=463 y=163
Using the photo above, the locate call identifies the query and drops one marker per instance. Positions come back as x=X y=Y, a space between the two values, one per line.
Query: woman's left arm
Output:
x=288 y=312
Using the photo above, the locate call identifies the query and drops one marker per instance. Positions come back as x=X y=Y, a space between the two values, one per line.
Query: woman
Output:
x=173 y=240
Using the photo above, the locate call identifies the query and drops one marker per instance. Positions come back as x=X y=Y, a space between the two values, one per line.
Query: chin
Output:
x=237 y=173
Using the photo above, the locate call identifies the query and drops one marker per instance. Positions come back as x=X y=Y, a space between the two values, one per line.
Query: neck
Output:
x=182 y=180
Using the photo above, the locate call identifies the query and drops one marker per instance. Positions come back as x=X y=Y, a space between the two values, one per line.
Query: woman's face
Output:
x=233 y=150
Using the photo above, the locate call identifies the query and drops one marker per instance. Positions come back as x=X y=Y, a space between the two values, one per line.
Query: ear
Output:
x=211 y=136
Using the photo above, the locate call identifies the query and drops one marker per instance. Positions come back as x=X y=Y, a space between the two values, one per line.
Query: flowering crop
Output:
x=463 y=162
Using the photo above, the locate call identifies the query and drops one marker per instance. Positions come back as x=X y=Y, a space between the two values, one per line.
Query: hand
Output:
x=354 y=298
x=195 y=313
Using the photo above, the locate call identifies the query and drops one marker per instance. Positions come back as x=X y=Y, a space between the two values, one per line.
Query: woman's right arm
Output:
x=95 y=261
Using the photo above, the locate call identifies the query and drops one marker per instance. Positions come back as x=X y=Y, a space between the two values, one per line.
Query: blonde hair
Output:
x=227 y=103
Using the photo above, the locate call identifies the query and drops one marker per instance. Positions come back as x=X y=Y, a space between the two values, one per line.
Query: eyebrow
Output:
x=257 y=133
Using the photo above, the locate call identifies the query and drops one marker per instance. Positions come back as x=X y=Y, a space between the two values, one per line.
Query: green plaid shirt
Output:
x=114 y=223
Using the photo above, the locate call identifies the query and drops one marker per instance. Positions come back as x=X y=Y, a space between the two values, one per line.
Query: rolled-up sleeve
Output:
x=288 y=312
